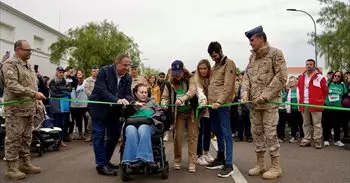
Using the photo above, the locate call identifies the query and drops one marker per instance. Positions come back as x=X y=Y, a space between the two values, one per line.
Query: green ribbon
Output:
x=15 y=102
x=224 y=105
x=312 y=106
x=172 y=105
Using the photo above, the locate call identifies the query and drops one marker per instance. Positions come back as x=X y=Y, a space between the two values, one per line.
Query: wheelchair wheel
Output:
x=124 y=175
x=56 y=147
x=165 y=172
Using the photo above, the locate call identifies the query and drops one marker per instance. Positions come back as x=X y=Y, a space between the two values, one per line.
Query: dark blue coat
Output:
x=106 y=89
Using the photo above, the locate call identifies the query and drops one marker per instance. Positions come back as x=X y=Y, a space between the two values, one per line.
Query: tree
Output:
x=94 y=44
x=334 y=42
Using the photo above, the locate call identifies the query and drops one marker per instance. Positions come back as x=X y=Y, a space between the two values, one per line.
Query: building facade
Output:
x=15 y=25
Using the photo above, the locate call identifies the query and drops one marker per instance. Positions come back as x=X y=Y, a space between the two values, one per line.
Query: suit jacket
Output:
x=107 y=89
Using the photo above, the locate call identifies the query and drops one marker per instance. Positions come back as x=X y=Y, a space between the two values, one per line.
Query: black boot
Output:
x=104 y=170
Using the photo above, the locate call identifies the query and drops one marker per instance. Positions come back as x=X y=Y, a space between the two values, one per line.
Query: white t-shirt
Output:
x=306 y=89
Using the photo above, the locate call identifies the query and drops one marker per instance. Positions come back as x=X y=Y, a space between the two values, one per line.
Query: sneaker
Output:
x=326 y=143
x=208 y=158
x=293 y=140
x=166 y=136
x=216 y=165
x=226 y=171
x=280 y=140
x=201 y=161
x=339 y=143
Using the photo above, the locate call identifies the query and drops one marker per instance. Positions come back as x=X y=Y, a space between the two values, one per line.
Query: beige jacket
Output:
x=221 y=87
x=265 y=76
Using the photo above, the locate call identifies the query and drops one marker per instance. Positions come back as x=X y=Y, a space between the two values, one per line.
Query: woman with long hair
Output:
x=333 y=118
x=202 y=80
x=181 y=93
x=78 y=109
x=296 y=120
x=155 y=89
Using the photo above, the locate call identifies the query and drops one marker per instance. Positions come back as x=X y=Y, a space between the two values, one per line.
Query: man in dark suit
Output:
x=113 y=84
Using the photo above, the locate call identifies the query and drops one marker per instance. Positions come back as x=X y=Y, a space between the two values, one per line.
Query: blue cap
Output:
x=177 y=67
x=60 y=68
x=254 y=31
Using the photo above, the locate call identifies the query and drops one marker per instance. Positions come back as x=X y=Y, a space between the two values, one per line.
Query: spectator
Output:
x=70 y=77
x=59 y=88
x=333 y=118
x=89 y=85
x=313 y=89
x=155 y=90
x=282 y=113
x=136 y=79
x=78 y=109
x=161 y=79
x=329 y=76
x=295 y=118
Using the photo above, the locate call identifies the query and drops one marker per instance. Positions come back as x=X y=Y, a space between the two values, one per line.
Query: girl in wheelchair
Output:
x=141 y=123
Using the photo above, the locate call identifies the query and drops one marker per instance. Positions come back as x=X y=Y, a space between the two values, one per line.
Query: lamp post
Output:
x=315 y=34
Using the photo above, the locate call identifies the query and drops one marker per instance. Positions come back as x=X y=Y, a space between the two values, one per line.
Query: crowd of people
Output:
x=179 y=92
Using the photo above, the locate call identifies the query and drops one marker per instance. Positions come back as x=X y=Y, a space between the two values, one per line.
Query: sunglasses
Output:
x=337 y=76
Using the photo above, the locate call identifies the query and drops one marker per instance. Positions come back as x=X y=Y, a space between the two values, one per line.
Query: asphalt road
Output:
x=301 y=165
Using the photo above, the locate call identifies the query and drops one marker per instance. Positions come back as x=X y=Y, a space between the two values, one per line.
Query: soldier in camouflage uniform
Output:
x=266 y=75
x=20 y=83
x=89 y=85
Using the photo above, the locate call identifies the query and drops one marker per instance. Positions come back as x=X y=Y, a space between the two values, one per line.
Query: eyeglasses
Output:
x=338 y=76
x=28 y=50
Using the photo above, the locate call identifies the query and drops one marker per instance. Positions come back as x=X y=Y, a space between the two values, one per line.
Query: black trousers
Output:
x=244 y=124
x=296 y=122
x=281 y=126
x=332 y=119
x=234 y=118
x=78 y=114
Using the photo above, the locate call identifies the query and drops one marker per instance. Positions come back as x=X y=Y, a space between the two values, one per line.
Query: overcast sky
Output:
x=166 y=30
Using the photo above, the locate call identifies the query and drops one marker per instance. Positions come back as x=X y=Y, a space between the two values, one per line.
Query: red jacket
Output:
x=318 y=91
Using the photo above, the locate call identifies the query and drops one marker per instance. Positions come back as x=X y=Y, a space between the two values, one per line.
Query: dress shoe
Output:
x=104 y=170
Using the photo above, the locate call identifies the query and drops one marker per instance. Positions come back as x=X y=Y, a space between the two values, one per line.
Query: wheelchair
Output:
x=158 y=153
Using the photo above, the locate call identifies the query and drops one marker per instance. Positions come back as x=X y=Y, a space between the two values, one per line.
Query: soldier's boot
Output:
x=259 y=168
x=27 y=167
x=275 y=171
x=12 y=172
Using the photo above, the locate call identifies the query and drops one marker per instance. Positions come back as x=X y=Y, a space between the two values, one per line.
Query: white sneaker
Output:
x=326 y=143
x=339 y=144
x=201 y=161
x=208 y=158
x=292 y=140
x=166 y=136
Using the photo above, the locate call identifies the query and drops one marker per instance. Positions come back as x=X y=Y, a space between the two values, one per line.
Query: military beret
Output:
x=254 y=31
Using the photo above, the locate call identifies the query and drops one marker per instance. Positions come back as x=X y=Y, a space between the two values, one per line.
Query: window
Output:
x=7 y=32
x=38 y=43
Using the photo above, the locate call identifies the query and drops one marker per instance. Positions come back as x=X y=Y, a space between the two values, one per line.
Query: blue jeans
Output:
x=104 y=147
x=220 y=123
x=138 y=144
x=204 y=136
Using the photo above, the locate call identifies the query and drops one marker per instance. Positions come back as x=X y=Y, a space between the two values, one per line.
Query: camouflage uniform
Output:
x=20 y=83
x=266 y=75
